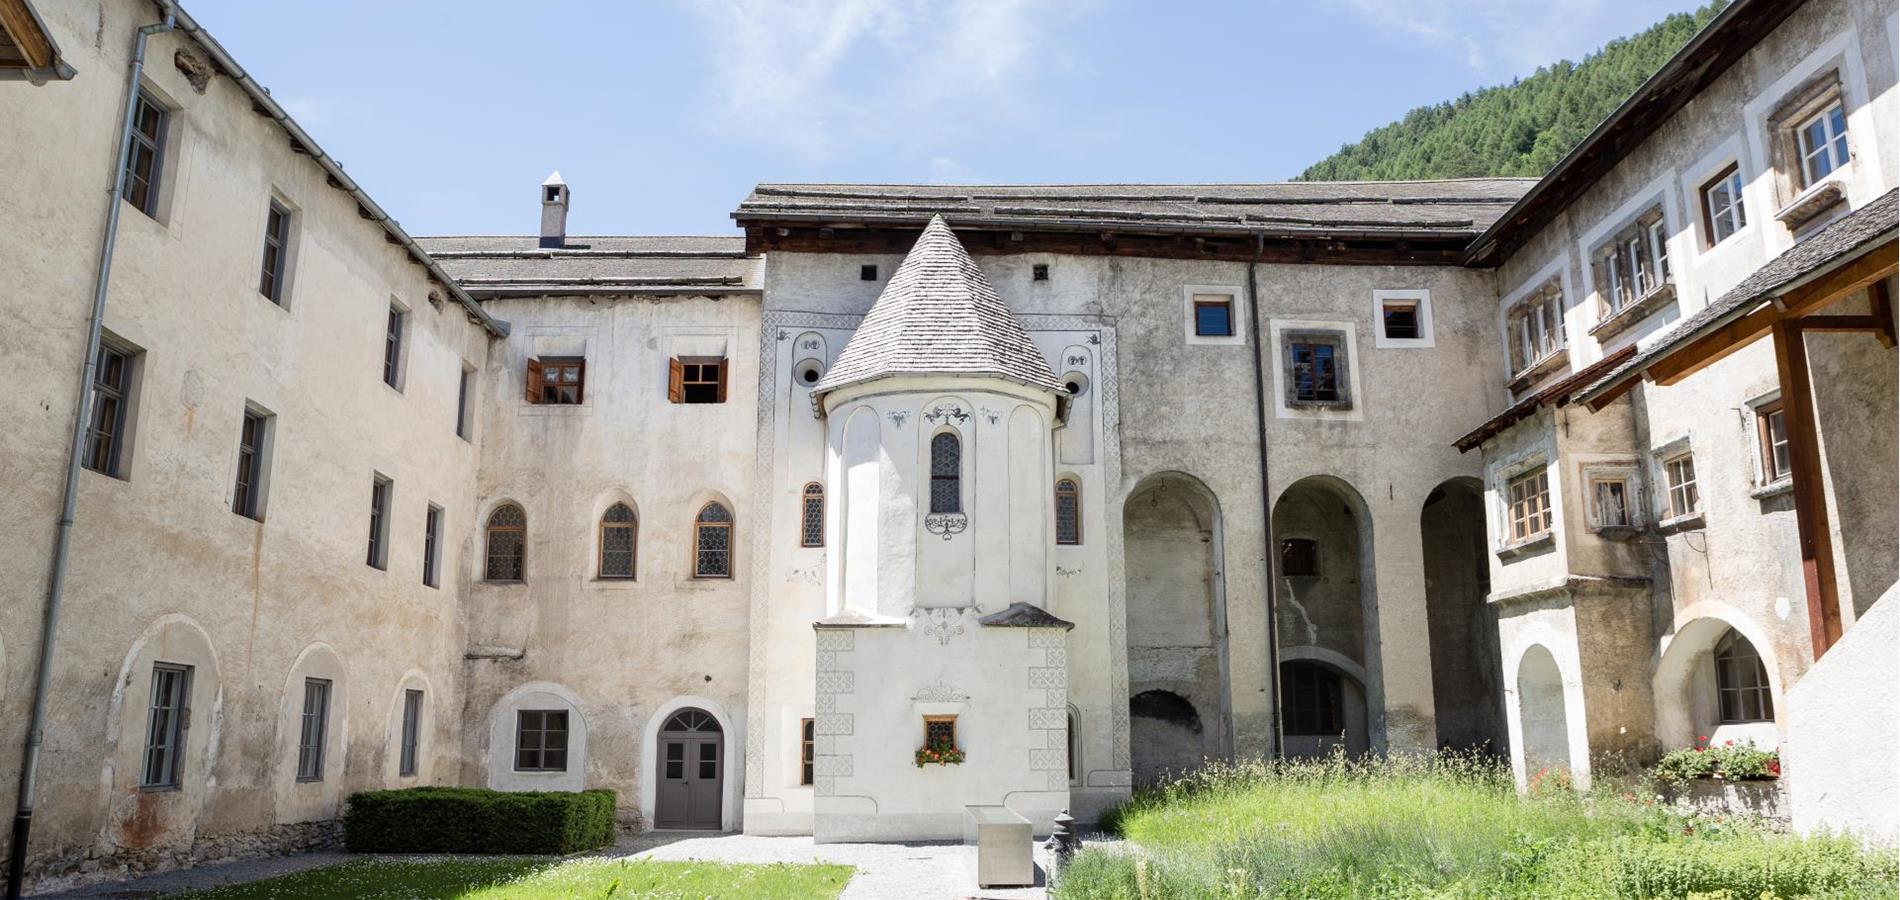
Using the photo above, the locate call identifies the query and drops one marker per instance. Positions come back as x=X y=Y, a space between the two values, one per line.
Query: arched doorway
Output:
x=1328 y=607
x=691 y=772
x=1467 y=667
x=1546 y=724
x=1177 y=659
x=1165 y=733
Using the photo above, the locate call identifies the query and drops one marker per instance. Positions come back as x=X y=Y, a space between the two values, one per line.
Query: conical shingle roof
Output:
x=939 y=315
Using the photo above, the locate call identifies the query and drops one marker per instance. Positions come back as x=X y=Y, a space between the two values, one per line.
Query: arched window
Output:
x=507 y=538
x=1741 y=681
x=946 y=474
x=1072 y=741
x=811 y=526
x=712 y=542
x=619 y=533
x=1068 y=512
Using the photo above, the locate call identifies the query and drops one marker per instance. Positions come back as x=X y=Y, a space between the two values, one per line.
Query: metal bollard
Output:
x=1062 y=844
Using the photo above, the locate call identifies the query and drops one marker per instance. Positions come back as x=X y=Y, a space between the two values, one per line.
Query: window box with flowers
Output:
x=940 y=743
x=1729 y=779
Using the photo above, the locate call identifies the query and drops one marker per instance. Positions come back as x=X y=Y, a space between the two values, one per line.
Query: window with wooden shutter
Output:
x=531 y=383
x=696 y=379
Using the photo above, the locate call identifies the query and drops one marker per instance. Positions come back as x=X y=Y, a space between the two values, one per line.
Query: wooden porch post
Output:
x=1810 y=501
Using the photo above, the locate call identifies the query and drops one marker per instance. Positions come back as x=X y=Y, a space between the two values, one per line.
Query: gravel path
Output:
x=923 y=871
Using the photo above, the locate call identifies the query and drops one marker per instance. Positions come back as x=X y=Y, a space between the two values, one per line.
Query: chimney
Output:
x=554 y=211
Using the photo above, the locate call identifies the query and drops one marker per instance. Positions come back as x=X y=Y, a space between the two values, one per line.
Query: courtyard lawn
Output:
x=1445 y=827
x=531 y=878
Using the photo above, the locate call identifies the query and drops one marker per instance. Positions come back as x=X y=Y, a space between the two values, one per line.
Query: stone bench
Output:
x=1005 y=850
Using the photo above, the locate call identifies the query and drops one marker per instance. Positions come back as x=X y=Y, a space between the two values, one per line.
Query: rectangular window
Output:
x=411 y=732
x=940 y=732
x=379 y=490
x=1823 y=144
x=316 y=714
x=1313 y=701
x=270 y=282
x=1400 y=319
x=541 y=740
x=1722 y=211
x=1610 y=500
x=147 y=157
x=1633 y=263
x=1530 y=505
x=1771 y=426
x=556 y=380
x=463 y=392
x=165 y=724
x=1213 y=315
x=1299 y=558
x=431 y=545
x=111 y=394
x=245 y=500
x=1536 y=327
x=392 y=349
x=1314 y=365
x=1680 y=473
x=807 y=744
x=696 y=379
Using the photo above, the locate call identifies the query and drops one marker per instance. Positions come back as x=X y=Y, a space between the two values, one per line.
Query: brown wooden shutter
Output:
x=580 y=381
x=675 y=374
x=534 y=381
x=723 y=365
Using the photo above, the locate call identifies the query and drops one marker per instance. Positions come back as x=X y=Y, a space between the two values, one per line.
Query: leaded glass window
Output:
x=712 y=542
x=618 y=533
x=946 y=474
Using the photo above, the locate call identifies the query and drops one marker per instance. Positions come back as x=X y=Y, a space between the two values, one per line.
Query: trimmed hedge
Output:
x=475 y=820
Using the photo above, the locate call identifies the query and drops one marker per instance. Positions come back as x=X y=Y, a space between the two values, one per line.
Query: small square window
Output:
x=696 y=379
x=557 y=380
x=1039 y=272
x=940 y=732
x=541 y=740
x=867 y=273
x=1314 y=366
x=1401 y=320
x=1213 y=315
x=553 y=193
x=1299 y=558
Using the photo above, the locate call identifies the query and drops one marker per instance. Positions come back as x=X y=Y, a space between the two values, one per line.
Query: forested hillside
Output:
x=1522 y=128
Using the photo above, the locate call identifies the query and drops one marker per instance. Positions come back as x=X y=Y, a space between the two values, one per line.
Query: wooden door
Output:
x=690 y=781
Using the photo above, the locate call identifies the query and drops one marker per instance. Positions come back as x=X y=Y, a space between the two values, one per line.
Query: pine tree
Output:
x=1519 y=129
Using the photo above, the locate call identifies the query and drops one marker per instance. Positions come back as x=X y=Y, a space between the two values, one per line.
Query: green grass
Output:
x=527 y=878
x=1445 y=827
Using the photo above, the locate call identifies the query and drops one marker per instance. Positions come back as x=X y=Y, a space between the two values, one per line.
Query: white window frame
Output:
x=1833 y=147
x=1419 y=298
x=1240 y=317
x=1729 y=177
x=1674 y=490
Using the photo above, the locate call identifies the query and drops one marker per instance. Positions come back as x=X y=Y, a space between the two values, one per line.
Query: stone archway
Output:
x=1467 y=665
x=1327 y=603
x=1176 y=616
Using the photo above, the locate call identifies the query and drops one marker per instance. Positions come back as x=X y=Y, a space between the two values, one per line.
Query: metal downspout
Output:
x=1266 y=503
x=62 y=540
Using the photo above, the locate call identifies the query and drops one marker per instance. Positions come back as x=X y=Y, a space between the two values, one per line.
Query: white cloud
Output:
x=814 y=74
x=1504 y=38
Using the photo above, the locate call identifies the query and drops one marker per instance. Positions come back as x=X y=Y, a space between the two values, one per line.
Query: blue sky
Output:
x=661 y=114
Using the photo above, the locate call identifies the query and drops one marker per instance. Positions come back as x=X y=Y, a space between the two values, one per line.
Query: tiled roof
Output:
x=1557 y=394
x=1841 y=238
x=939 y=315
x=495 y=266
x=1454 y=208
